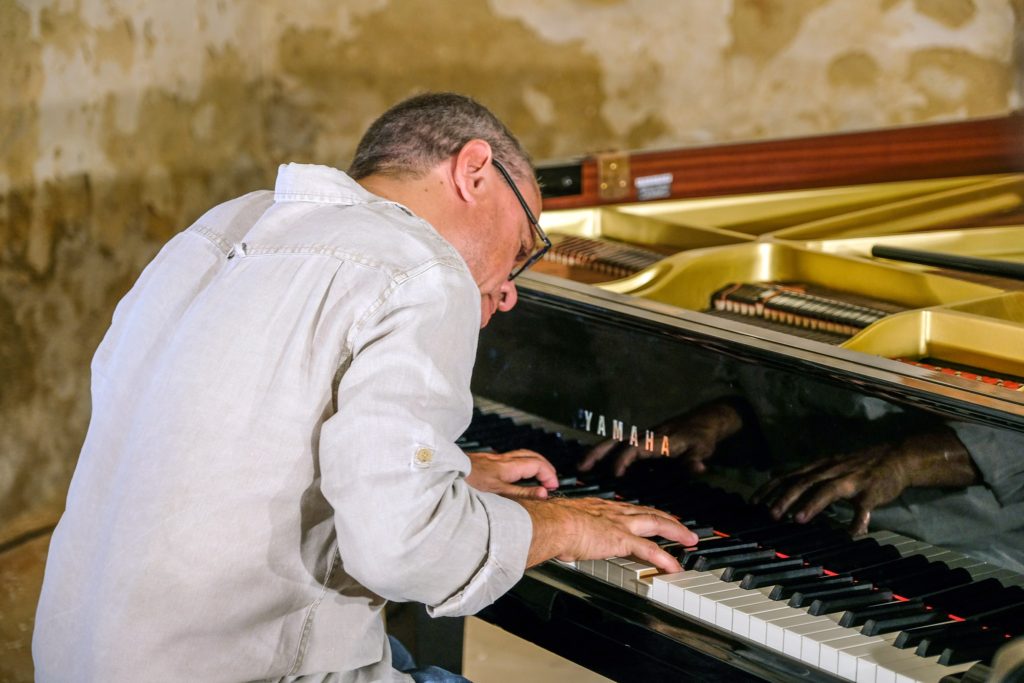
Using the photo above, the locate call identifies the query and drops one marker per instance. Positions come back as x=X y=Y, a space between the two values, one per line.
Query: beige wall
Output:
x=122 y=120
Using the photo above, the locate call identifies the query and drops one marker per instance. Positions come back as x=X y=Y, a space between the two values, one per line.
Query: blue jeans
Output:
x=402 y=660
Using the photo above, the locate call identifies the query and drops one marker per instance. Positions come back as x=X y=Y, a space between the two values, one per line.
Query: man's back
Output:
x=197 y=544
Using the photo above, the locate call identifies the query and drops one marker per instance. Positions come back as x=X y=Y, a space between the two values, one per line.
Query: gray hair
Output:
x=415 y=135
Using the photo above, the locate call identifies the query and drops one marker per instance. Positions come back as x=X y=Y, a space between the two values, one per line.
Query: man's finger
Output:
x=625 y=459
x=523 y=492
x=823 y=495
x=596 y=454
x=657 y=525
x=649 y=552
x=531 y=466
x=861 y=519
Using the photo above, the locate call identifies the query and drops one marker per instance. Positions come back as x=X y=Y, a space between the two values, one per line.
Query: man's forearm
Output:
x=938 y=459
x=551 y=527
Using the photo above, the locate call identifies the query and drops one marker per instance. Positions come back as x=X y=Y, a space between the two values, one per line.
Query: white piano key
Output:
x=776 y=629
x=692 y=601
x=828 y=654
x=742 y=616
x=793 y=643
x=928 y=672
x=760 y=621
x=810 y=644
x=659 y=585
x=677 y=590
x=723 y=610
x=883 y=665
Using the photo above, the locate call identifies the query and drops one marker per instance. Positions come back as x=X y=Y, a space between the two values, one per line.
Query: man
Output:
x=271 y=452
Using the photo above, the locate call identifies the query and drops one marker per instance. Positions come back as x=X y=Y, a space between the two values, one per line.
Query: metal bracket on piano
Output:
x=613 y=175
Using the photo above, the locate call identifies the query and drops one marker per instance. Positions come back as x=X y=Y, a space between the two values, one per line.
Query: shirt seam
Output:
x=307 y=623
x=336 y=253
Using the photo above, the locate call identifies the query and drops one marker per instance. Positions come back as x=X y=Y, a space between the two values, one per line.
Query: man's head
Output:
x=436 y=154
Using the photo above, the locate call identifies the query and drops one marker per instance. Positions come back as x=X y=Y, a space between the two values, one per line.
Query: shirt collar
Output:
x=311 y=182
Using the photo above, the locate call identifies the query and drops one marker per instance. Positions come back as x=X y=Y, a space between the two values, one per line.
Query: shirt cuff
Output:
x=999 y=455
x=511 y=533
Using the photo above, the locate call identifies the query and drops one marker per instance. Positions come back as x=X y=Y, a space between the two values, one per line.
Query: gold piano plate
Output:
x=687 y=280
x=972 y=201
x=1003 y=243
x=645 y=231
x=954 y=334
x=762 y=213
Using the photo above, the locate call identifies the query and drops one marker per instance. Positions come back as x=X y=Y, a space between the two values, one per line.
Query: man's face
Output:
x=513 y=242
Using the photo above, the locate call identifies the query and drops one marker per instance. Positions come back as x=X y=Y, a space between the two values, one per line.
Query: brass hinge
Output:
x=613 y=175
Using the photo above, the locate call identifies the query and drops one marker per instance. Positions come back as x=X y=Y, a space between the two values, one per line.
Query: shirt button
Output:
x=424 y=456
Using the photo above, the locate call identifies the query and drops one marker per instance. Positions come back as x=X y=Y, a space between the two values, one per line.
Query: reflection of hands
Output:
x=498 y=472
x=595 y=529
x=870 y=478
x=693 y=437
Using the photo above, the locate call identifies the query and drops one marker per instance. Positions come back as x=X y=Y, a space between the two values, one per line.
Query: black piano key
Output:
x=827 y=540
x=972 y=598
x=784 y=591
x=840 y=604
x=858 y=617
x=876 y=627
x=934 y=643
x=921 y=585
x=982 y=647
x=752 y=581
x=805 y=598
x=865 y=552
x=887 y=572
x=688 y=557
x=740 y=557
x=703 y=532
x=739 y=572
x=912 y=637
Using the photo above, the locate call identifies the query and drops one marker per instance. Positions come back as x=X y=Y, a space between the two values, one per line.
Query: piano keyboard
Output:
x=879 y=608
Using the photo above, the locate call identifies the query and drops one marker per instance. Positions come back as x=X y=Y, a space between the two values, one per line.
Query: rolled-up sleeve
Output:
x=999 y=455
x=409 y=526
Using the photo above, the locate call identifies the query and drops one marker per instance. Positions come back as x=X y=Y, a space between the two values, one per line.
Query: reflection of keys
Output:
x=839 y=603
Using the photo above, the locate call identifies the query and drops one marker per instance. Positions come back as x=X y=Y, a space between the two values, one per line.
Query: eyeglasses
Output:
x=539 y=247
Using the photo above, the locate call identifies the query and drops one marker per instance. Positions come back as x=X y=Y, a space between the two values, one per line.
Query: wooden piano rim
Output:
x=951 y=395
x=973 y=147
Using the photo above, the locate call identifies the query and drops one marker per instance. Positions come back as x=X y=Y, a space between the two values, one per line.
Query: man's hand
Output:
x=693 y=437
x=596 y=529
x=498 y=472
x=870 y=478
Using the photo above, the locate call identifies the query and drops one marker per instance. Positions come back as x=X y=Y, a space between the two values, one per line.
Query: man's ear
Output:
x=471 y=168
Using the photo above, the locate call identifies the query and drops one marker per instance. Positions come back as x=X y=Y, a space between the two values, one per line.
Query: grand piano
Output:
x=750 y=273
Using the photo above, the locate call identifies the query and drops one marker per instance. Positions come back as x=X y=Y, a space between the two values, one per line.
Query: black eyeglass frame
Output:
x=537 y=255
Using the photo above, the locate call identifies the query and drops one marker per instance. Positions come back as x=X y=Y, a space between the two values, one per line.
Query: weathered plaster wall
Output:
x=122 y=120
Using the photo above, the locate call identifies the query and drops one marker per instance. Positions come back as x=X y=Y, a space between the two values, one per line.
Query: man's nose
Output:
x=509 y=296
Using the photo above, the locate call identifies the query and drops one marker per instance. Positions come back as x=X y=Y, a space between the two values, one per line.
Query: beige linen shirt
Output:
x=271 y=452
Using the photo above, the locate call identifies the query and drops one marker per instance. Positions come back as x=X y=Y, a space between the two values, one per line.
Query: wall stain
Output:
x=856 y=69
x=951 y=13
x=762 y=29
x=346 y=82
x=21 y=81
x=956 y=81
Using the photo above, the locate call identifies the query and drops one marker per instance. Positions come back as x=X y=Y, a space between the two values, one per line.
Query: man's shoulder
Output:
x=383 y=235
x=232 y=220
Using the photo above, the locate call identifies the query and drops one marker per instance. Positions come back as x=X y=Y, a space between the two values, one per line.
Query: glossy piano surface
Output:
x=644 y=313
x=592 y=365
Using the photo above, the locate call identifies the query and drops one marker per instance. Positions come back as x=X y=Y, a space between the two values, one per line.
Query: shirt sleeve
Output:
x=999 y=455
x=409 y=526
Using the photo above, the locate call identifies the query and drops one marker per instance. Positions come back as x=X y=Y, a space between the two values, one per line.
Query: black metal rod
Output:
x=973 y=264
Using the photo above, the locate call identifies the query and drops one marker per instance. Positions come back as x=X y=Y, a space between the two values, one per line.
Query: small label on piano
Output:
x=653 y=186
